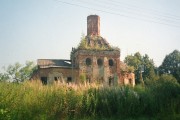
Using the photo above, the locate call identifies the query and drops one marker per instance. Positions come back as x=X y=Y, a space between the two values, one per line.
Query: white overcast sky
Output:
x=48 y=29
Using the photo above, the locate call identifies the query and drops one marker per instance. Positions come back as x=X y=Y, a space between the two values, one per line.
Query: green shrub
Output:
x=166 y=95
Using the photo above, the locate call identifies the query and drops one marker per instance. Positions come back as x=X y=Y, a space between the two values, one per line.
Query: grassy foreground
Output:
x=32 y=101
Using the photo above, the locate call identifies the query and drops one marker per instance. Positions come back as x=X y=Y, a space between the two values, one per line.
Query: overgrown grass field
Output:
x=32 y=101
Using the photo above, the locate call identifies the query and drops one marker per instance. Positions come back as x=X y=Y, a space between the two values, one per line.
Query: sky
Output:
x=48 y=29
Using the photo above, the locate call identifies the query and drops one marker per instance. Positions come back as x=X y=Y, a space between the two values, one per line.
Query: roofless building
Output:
x=93 y=61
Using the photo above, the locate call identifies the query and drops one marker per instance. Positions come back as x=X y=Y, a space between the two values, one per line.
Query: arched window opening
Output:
x=88 y=61
x=111 y=63
x=99 y=62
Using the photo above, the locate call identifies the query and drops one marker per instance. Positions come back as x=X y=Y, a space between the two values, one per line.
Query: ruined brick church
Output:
x=93 y=61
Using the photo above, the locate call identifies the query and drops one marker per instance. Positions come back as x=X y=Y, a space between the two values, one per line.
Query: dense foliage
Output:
x=144 y=67
x=171 y=65
x=159 y=99
x=18 y=72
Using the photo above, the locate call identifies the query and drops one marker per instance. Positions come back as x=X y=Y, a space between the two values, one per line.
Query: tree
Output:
x=143 y=66
x=17 y=72
x=83 y=43
x=149 y=67
x=3 y=77
x=171 y=65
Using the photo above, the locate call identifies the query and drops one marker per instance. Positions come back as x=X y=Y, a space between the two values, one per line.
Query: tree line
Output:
x=17 y=72
x=145 y=69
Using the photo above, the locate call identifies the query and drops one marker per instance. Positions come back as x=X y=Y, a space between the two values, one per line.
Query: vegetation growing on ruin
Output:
x=84 y=45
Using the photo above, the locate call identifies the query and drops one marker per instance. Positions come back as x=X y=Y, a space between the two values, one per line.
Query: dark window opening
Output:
x=55 y=78
x=99 y=62
x=88 y=41
x=44 y=80
x=111 y=81
x=69 y=79
x=111 y=63
x=88 y=61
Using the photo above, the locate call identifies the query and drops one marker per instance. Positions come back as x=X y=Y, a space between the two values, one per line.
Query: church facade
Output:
x=93 y=61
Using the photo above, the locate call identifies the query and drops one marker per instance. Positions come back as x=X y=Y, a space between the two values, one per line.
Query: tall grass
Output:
x=33 y=101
